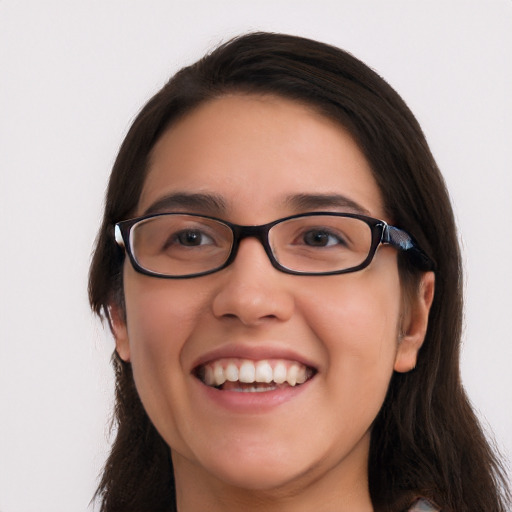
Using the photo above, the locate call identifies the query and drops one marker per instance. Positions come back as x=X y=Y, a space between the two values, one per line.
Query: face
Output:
x=259 y=159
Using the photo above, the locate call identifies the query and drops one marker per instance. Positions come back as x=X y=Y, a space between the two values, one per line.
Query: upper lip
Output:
x=252 y=352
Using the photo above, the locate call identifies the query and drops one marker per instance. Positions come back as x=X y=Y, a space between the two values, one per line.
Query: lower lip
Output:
x=251 y=402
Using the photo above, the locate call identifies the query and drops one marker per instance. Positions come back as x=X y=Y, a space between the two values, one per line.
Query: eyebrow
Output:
x=196 y=202
x=305 y=202
x=213 y=204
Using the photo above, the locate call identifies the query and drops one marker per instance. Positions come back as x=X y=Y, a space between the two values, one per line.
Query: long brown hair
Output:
x=426 y=439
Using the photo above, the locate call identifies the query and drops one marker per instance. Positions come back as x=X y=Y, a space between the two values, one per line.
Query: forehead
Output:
x=254 y=153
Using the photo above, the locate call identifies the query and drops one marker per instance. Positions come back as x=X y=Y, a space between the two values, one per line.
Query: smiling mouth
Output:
x=246 y=375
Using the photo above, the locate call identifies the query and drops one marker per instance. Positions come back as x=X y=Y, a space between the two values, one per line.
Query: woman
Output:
x=278 y=263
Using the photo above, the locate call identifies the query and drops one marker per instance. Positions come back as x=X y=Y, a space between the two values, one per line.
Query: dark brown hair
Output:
x=426 y=439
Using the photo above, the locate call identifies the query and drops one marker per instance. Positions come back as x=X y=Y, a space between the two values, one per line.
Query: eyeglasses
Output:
x=180 y=245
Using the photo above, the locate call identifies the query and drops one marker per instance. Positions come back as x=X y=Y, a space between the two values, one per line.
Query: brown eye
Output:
x=192 y=238
x=321 y=238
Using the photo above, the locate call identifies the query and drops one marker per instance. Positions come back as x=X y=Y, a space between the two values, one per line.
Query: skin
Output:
x=309 y=452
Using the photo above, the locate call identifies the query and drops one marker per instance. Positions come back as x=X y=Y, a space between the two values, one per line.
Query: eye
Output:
x=322 y=238
x=191 y=238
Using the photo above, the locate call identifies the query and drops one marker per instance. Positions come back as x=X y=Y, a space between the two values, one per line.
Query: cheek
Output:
x=357 y=322
x=361 y=312
x=161 y=317
x=160 y=312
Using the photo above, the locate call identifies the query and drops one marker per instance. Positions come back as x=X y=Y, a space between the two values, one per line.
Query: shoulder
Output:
x=422 y=505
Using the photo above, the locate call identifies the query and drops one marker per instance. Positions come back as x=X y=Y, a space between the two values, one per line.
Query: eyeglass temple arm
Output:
x=403 y=241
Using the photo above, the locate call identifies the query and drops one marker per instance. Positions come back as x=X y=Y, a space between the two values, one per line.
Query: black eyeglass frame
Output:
x=381 y=233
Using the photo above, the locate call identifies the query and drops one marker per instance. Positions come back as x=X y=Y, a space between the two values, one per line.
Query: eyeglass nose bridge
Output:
x=260 y=233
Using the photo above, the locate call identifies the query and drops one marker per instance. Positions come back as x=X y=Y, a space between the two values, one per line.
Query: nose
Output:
x=251 y=289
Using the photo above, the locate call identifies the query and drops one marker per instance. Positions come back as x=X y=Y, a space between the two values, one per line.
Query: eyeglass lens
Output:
x=179 y=245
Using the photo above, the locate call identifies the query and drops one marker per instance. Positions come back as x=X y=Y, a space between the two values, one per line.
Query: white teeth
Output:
x=247 y=372
x=209 y=377
x=302 y=377
x=279 y=373
x=218 y=375
x=264 y=372
x=292 y=374
x=231 y=372
x=255 y=389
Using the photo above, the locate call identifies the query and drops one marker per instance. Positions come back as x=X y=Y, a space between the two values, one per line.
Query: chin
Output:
x=263 y=471
x=266 y=478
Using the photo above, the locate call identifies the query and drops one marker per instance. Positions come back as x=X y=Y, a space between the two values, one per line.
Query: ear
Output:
x=117 y=321
x=414 y=324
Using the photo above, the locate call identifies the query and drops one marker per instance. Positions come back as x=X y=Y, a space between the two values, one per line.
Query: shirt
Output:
x=423 y=506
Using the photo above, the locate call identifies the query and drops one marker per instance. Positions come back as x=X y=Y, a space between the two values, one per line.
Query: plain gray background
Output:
x=72 y=76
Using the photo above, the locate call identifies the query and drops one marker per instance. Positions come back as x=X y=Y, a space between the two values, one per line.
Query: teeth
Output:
x=255 y=389
x=209 y=377
x=247 y=372
x=302 y=376
x=293 y=373
x=279 y=373
x=218 y=375
x=231 y=372
x=264 y=372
